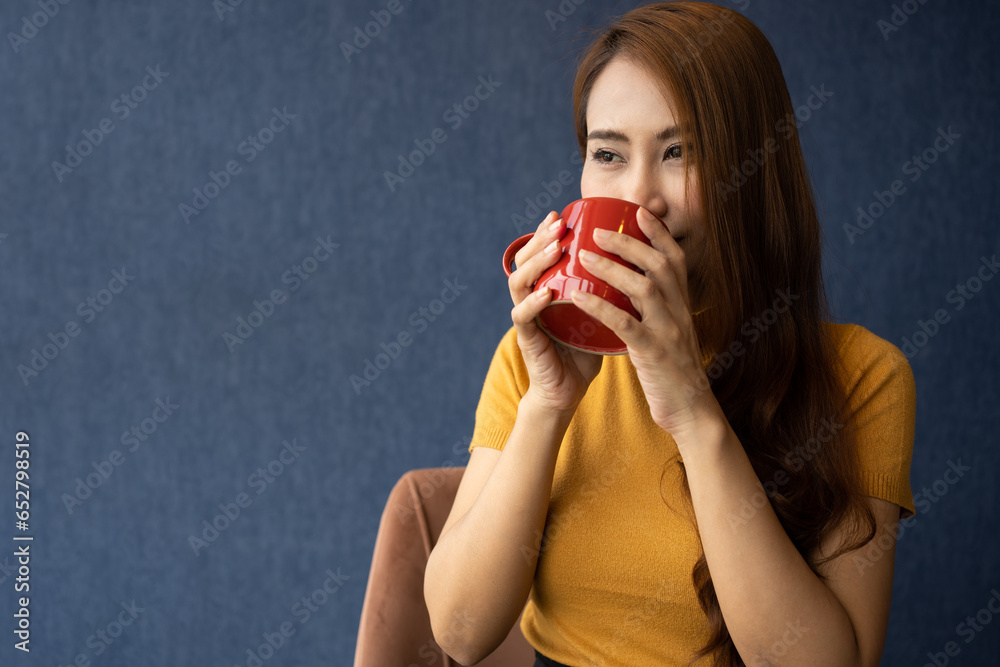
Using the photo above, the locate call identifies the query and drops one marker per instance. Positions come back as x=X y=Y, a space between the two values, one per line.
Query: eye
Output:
x=674 y=152
x=604 y=156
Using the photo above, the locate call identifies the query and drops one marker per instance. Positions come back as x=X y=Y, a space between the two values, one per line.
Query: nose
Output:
x=646 y=190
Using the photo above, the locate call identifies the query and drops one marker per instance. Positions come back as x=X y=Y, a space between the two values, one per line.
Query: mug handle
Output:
x=512 y=249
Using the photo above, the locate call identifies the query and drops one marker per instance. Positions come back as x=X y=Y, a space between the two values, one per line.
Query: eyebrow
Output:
x=617 y=135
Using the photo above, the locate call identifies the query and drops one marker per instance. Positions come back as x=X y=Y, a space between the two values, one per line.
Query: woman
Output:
x=728 y=492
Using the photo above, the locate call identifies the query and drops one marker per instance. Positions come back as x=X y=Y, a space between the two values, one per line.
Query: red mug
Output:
x=562 y=320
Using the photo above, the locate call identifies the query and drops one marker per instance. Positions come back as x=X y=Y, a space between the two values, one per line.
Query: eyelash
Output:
x=597 y=154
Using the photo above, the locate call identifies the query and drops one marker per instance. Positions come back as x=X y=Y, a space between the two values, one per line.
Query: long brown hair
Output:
x=763 y=244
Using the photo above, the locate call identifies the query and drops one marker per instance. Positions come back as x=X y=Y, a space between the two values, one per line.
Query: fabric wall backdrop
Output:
x=152 y=406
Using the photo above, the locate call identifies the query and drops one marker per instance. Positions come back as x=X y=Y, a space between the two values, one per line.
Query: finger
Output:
x=626 y=327
x=549 y=229
x=529 y=336
x=636 y=286
x=522 y=280
x=660 y=237
x=659 y=275
x=527 y=310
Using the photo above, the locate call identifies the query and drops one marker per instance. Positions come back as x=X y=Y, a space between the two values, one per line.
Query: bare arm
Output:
x=777 y=610
x=480 y=572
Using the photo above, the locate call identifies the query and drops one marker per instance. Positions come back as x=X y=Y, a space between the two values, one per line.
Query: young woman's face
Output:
x=635 y=153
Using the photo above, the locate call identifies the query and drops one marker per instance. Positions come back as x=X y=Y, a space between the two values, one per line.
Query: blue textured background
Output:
x=322 y=176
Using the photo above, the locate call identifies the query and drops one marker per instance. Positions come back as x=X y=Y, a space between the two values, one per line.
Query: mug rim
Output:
x=602 y=351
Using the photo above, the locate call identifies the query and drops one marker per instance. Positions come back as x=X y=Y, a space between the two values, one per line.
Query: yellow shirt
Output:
x=613 y=582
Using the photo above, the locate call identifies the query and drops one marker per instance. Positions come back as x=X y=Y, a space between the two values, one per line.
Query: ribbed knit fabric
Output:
x=613 y=583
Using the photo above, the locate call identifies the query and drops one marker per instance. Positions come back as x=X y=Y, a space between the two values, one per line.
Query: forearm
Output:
x=481 y=571
x=777 y=610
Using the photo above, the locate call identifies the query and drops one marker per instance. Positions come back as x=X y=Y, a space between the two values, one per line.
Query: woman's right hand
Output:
x=559 y=375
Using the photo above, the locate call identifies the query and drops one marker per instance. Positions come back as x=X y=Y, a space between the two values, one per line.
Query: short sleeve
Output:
x=505 y=384
x=882 y=401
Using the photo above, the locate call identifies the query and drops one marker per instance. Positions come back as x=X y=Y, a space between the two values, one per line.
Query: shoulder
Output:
x=877 y=375
x=864 y=353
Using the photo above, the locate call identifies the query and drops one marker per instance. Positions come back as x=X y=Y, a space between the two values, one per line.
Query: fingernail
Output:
x=555 y=225
x=587 y=257
x=543 y=293
x=602 y=234
x=650 y=217
x=552 y=247
x=577 y=295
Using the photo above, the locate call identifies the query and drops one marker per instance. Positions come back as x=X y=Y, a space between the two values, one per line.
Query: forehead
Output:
x=624 y=97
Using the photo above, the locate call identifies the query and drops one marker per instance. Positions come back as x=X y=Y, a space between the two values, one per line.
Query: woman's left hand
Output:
x=663 y=347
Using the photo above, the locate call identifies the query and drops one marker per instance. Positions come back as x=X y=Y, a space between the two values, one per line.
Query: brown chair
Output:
x=395 y=629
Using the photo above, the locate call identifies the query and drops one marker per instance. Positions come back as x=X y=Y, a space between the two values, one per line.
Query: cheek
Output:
x=599 y=182
x=588 y=184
